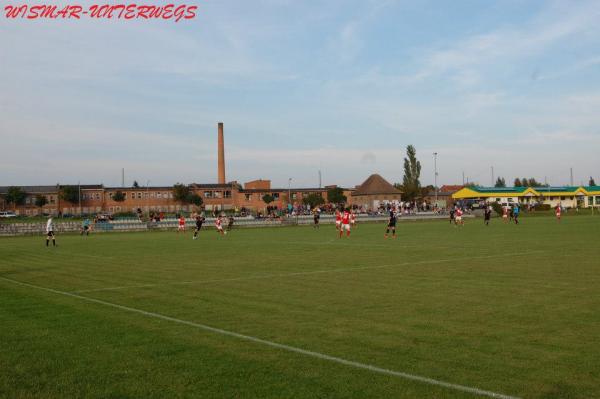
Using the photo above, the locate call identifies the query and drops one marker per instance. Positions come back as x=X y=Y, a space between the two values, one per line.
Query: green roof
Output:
x=497 y=189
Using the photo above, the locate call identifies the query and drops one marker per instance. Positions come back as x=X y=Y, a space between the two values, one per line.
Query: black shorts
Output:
x=50 y=234
x=198 y=226
x=392 y=224
x=86 y=228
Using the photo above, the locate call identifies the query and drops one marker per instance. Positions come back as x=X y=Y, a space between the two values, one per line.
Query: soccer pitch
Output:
x=440 y=312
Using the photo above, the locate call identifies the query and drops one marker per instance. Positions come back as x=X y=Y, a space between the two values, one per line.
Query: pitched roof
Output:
x=376 y=184
x=449 y=188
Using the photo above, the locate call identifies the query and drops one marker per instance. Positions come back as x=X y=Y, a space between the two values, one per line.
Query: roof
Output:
x=375 y=184
x=449 y=188
x=31 y=189
x=485 y=192
x=439 y=194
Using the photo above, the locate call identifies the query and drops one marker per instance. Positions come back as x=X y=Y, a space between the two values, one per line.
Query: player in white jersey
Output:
x=50 y=232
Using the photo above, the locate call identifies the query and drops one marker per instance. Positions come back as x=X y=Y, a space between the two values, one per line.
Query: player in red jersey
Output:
x=505 y=214
x=458 y=217
x=219 y=225
x=181 y=226
x=338 y=220
x=345 y=223
x=558 y=211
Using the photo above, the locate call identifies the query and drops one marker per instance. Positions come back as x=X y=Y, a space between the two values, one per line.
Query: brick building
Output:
x=97 y=198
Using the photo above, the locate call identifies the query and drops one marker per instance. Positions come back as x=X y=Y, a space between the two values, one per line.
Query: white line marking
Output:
x=318 y=355
x=301 y=273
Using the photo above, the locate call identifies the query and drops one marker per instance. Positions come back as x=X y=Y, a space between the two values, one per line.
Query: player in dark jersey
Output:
x=391 y=225
x=452 y=215
x=199 y=221
x=487 y=215
x=316 y=217
x=230 y=221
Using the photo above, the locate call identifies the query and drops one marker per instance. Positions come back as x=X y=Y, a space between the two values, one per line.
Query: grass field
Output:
x=511 y=310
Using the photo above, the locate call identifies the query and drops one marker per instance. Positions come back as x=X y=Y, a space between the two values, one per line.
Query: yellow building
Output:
x=567 y=196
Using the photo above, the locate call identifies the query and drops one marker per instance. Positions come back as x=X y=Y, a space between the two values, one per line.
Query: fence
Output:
x=133 y=224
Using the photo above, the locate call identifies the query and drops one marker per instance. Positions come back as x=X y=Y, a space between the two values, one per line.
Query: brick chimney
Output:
x=221 y=155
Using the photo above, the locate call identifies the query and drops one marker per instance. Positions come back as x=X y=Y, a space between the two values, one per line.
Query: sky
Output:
x=340 y=86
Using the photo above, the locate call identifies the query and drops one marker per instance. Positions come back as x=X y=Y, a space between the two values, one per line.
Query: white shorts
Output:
x=220 y=228
x=458 y=218
x=338 y=222
x=182 y=227
x=346 y=227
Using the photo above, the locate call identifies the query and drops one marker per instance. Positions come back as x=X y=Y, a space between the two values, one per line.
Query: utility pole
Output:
x=319 y=178
x=435 y=177
x=492 y=176
x=122 y=177
x=463 y=178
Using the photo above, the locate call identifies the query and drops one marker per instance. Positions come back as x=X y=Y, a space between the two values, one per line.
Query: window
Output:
x=497 y=199
x=208 y=194
x=139 y=195
x=248 y=197
x=276 y=196
x=98 y=196
x=146 y=194
x=158 y=195
x=510 y=200
x=152 y=194
x=294 y=196
x=166 y=195
x=562 y=198
x=218 y=194
x=52 y=199
x=227 y=194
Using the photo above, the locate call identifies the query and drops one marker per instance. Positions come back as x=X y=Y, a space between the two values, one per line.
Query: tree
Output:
x=268 y=198
x=313 y=200
x=500 y=182
x=118 y=196
x=518 y=182
x=336 y=195
x=40 y=201
x=426 y=190
x=136 y=184
x=181 y=192
x=15 y=196
x=195 y=199
x=592 y=182
x=412 y=173
x=69 y=194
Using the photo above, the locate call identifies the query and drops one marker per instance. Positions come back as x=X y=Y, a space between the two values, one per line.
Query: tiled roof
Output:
x=376 y=184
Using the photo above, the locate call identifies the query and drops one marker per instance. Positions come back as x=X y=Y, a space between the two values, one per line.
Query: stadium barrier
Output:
x=133 y=224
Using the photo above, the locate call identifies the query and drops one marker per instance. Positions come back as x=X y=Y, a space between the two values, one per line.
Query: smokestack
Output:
x=221 y=155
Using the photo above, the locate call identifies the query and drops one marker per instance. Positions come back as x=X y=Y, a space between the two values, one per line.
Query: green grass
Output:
x=505 y=308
